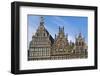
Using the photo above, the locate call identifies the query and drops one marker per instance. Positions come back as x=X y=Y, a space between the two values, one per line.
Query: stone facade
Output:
x=43 y=46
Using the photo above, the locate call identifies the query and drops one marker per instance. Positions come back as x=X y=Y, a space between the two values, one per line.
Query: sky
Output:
x=73 y=25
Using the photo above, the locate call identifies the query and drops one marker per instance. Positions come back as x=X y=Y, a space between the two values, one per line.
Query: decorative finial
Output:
x=41 y=20
x=59 y=28
x=63 y=28
x=80 y=35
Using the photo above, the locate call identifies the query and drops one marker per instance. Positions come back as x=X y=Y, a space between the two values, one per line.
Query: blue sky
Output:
x=73 y=25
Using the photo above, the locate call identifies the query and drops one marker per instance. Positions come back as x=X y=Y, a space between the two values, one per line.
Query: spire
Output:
x=59 y=28
x=80 y=36
x=63 y=28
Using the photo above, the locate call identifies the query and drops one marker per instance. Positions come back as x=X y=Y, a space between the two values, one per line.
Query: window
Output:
x=41 y=49
x=33 y=49
x=29 y=53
